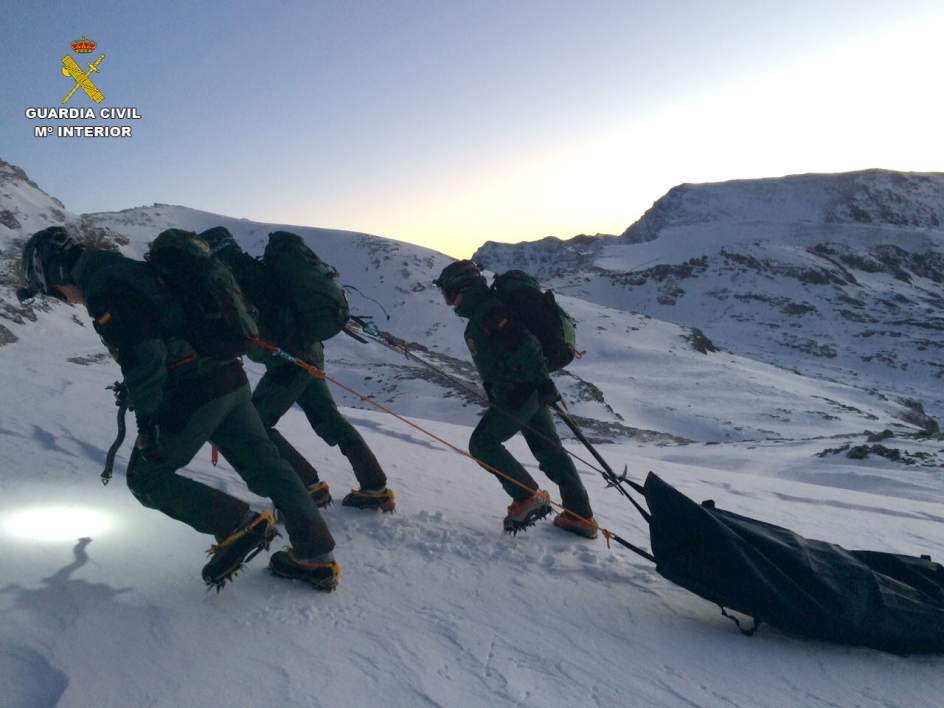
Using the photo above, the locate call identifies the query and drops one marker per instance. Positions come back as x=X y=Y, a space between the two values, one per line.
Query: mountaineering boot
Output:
x=527 y=512
x=383 y=499
x=369 y=473
x=321 y=572
x=241 y=546
x=320 y=494
x=582 y=527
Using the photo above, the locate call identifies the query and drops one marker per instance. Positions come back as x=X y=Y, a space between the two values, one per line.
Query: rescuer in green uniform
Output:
x=183 y=399
x=510 y=361
x=294 y=296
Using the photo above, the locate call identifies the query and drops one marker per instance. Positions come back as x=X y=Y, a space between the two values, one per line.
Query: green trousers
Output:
x=232 y=424
x=279 y=388
x=534 y=421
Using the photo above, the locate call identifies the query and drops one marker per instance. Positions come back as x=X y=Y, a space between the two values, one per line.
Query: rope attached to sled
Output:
x=320 y=374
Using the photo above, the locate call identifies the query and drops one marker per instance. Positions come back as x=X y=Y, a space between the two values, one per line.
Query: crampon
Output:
x=527 y=512
x=321 y=575
x=383 y=499
x=320 y=494
x=230 y=555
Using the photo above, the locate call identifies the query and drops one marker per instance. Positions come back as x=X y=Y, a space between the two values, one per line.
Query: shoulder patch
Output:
x=496 y=319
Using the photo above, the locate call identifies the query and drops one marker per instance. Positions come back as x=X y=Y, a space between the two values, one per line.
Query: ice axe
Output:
x=353 y=335
x=610 y=477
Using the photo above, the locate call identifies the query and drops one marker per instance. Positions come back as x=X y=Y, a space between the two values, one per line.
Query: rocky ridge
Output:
x=840 y=277
x=631 y=358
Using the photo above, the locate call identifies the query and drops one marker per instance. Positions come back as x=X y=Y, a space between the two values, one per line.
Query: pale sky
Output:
x=451 y=123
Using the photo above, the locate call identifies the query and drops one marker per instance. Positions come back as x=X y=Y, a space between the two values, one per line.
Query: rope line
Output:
x=443 y=441
x=611 y=478
x=320 y=374
x=391 y=343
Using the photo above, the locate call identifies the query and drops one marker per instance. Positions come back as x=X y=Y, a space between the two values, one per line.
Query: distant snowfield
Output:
x=102 y=603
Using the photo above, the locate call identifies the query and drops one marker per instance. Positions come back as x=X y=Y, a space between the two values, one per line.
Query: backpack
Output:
x=540 y=314
x=218 y=322
x=308 y=286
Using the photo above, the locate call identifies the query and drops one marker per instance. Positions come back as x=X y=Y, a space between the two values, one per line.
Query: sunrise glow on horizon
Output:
x=448 y=125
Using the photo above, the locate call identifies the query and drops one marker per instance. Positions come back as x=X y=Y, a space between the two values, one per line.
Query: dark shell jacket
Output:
x=505 y=353
x=140 y=324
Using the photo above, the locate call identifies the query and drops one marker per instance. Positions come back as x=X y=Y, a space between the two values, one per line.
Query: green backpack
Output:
x=539 y=313
x=218 y=322
x=308 y=286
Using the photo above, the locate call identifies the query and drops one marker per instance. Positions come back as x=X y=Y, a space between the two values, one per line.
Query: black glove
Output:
x=548 y=393
x=148 y=443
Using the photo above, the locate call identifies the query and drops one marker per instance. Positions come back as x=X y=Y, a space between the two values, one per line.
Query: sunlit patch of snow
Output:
x=51 y=524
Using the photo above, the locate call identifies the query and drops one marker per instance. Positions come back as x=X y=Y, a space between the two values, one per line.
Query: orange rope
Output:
x=384 y=339
x=485 y=465
x=317 y=373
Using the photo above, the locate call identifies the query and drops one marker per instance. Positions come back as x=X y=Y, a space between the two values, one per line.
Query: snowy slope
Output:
x=102 y=604
x=436 y=606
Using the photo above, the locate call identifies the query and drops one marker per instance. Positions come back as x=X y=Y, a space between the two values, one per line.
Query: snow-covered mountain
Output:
x=838 y=277
x=101 y=599
x=24 y=210
x=616 y=401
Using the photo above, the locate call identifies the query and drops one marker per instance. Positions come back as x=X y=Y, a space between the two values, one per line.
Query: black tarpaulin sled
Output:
x=811 y=588
x=804 y=587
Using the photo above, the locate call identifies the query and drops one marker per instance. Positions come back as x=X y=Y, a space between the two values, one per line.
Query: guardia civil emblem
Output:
x=71 y=69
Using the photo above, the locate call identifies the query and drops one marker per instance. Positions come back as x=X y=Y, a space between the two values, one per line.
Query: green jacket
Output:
x=508 y=357
x=137 y=320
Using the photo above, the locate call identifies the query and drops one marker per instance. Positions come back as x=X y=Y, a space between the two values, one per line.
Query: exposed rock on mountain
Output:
x=789 y=293
x=835 y=276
